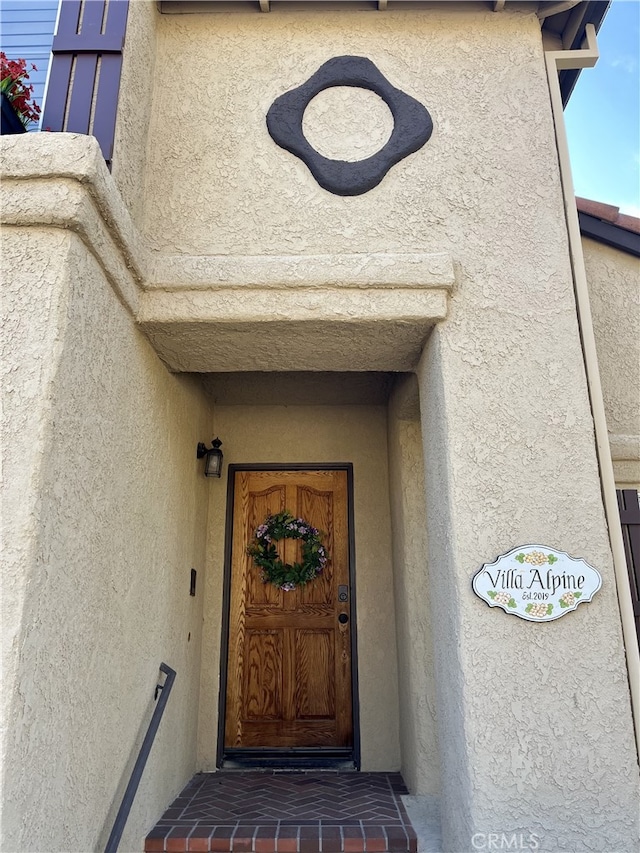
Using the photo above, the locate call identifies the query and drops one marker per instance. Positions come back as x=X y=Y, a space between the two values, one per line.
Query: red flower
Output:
x=13 y=73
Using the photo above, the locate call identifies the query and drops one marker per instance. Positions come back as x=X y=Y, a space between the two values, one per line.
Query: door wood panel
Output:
x=289 y=681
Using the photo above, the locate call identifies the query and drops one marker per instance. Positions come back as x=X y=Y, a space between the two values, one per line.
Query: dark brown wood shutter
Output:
x=82 y=95
x=630 y=520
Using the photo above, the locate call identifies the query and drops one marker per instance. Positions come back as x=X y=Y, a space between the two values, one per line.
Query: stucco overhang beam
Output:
x=370 y=311
x=339 y=329
x=366 y=270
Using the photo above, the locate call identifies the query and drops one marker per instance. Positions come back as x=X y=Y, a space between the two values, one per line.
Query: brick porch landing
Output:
x=286 y=812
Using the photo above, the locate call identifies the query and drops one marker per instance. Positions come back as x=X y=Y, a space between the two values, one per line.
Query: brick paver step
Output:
x=286 y=812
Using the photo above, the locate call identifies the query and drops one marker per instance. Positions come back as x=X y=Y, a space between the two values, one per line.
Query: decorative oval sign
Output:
x=536 y=583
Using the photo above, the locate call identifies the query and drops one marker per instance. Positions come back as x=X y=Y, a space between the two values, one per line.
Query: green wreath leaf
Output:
x=287 y=576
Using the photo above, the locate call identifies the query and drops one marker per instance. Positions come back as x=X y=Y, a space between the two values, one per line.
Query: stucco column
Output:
x=534 y=720
x=98 y=543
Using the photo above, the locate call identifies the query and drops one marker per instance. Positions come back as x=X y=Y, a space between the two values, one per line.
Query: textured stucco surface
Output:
x=418 y=738
x=614 y=293
x=226 y=188
x=349 y=124
x=60 y=180
x=104 y=514
x=354 y=332
x=340 y=312
x=135 y=105
x=318 y=434
x=534 y=727
x=534 y=721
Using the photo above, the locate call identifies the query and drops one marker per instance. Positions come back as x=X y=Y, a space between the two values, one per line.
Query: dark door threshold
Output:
x=294 y=759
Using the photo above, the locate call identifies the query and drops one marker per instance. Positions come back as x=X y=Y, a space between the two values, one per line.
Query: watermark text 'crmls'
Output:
x=505 y=841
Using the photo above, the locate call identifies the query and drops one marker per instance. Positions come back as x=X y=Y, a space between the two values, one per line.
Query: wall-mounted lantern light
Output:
x=213 y=462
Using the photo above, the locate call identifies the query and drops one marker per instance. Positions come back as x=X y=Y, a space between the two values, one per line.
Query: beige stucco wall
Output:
x=523 y=709
x=104 y=514
x=227 y=189
x=318 y=434
x=614 y=293
x=134 y=105
x=412 y=585
x=534 y=727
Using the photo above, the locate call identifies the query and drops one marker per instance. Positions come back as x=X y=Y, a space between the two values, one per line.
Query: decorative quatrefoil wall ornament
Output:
x=412 y=125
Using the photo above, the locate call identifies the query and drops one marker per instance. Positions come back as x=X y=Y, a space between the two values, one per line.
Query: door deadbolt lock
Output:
x=343 y=592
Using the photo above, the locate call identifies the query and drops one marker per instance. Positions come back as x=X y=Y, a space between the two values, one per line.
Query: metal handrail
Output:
x=136 y=774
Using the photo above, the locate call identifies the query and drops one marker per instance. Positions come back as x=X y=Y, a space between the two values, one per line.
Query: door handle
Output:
x=343 y=618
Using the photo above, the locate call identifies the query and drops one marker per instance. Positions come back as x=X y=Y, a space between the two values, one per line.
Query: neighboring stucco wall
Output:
x=134 y=104
x=614 y=293
x=318 y=434
x=418 y=736
x=104 y=515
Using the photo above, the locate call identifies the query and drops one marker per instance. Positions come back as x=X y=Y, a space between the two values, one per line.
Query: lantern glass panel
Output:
x=213 y=466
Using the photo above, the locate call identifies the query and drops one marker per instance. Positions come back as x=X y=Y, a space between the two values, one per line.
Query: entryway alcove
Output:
x=369 y=424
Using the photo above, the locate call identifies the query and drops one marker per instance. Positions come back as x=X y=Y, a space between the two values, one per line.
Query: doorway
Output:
x=288 y=688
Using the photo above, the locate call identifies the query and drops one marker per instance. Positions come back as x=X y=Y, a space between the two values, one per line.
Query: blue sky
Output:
x=603 y=114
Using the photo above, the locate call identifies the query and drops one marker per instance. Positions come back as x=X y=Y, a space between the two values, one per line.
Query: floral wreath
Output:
x=287 y=576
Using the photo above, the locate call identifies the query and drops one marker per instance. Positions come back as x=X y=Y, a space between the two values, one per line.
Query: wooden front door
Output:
x=289 y=660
